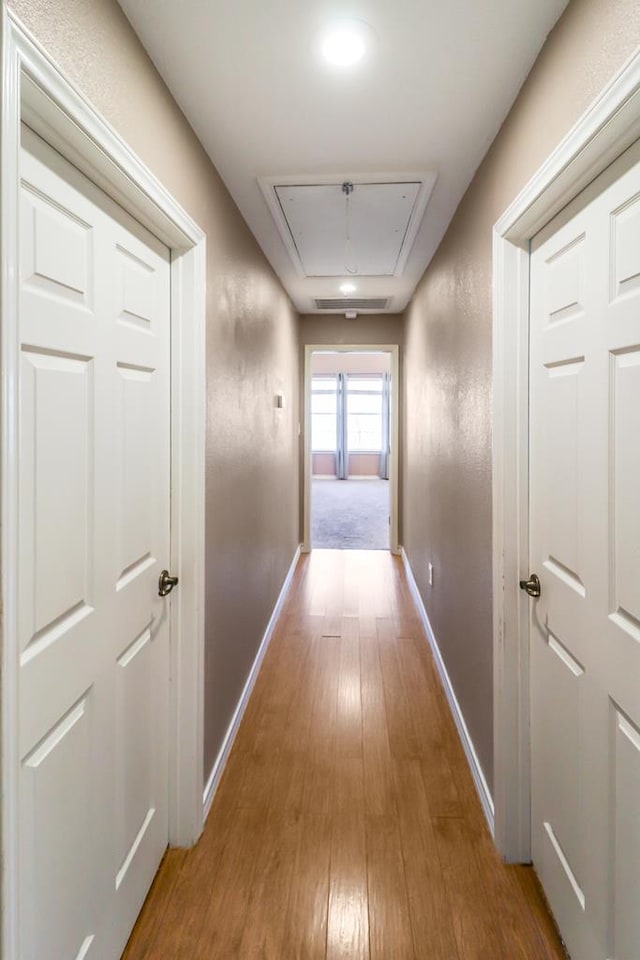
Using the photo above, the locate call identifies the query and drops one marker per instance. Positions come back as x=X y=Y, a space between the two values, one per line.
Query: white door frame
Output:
x=394 y=438
x=608 y=127
x=35 y=91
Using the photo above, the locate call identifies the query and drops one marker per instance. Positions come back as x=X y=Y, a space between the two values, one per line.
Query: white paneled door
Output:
x=94 y=326
x=585 y=547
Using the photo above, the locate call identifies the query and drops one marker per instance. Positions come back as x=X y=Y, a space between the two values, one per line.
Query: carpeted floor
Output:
x=350 y=514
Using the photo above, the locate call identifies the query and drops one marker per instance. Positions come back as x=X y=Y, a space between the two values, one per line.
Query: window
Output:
x=324 y=414
x=364 y=414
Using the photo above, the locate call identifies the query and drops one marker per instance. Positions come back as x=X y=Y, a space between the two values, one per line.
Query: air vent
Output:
x=352 y=303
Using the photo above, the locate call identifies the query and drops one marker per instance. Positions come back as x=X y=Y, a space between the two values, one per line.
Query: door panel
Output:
x=57 y=791
x=625 y=461
x=559 y=446
x=585 y=536
x=134 y=740
x=94 y=533
x=565 y=282
x=56 y=252
x=625 y=247
x=625 y=839
x=57 y=495
x=134 y=411
x=561 y=735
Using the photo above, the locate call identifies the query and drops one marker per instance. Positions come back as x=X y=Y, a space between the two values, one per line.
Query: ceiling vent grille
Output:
x=351 y=303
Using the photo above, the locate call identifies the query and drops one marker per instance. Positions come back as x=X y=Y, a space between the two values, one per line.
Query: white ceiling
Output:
x=429 y=96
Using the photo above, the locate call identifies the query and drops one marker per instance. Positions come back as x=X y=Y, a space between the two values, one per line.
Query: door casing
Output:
x=605 y=130
x=392 y=349
x=36 y=92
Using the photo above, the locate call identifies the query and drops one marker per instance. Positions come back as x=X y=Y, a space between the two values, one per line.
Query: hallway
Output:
x=346 y=823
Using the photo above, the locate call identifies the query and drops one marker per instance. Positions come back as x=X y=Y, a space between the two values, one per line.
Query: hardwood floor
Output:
x=346 y=825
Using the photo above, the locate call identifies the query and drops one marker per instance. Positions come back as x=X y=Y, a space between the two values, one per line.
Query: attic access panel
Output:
x=379 y=218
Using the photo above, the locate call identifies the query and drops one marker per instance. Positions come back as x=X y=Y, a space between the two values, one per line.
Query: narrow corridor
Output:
x=346 y=824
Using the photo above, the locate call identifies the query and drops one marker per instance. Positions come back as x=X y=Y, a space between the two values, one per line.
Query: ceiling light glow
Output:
x=347 y=288
x=344 y=44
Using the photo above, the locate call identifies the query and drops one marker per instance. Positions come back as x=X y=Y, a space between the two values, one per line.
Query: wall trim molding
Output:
x=605 y=130
x=215 y=776
x=36 y=91
x=477 y=773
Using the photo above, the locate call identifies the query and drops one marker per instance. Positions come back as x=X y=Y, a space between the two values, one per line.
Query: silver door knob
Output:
x=531 y=586
x=166 y=583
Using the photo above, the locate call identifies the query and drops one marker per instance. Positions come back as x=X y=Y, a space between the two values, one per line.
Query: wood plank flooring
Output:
x=346 y=825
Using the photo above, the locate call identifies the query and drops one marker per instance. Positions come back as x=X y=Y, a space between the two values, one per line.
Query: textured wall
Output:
x=447 y=459
x=366 y=329
x=351 y=362
x=252 y=350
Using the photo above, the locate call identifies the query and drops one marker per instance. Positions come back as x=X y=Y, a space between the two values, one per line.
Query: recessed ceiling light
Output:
x=347 y=287
x=344 y=43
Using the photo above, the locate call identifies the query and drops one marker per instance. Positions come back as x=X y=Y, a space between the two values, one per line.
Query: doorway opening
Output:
x=350 y=426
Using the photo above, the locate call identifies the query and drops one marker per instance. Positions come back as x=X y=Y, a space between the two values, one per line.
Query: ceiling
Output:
x=285 y=130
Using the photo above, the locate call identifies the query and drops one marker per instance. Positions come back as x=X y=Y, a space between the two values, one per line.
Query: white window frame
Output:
x=607 y=128
x=335 y=391
x=35 y=91
x=349 y=377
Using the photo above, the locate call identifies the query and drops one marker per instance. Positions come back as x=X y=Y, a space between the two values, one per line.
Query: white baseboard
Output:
x=476 y=770
x=227 y=744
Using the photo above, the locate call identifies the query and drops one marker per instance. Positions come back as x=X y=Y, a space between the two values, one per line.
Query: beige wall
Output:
x=447 y=458
x=323 y=464
x=350 y=362
x=328 y=328
x=252 y=352
x=360 y=465
x=364 y=464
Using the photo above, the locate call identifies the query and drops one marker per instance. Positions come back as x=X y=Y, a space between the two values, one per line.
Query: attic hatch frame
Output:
x=426 y=178
x=607 y=128
x=34 y=90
